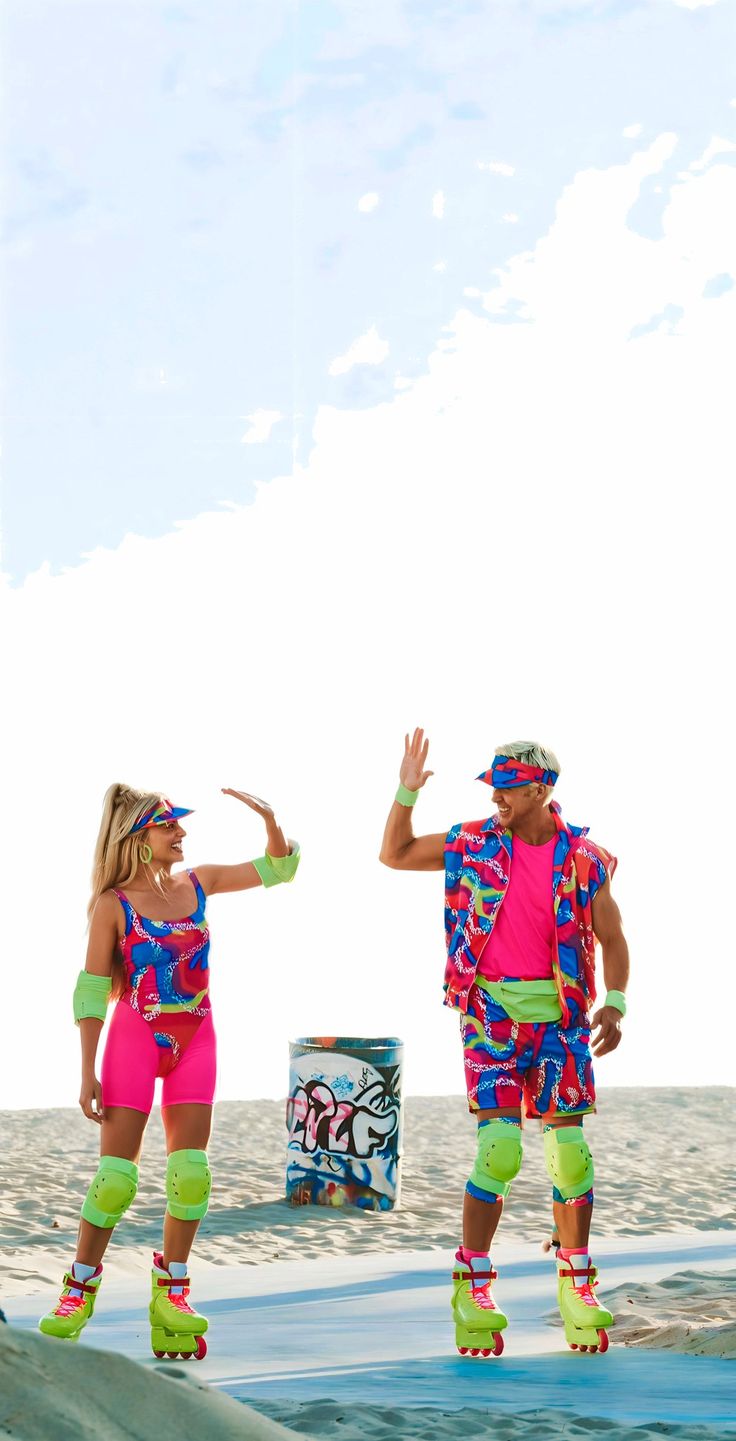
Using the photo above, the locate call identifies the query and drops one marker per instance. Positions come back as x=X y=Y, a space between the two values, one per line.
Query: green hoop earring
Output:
x=146 y=855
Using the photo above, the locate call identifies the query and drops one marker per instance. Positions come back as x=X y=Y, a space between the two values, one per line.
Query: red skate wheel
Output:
x=159 y=1355
x=497 y=1344
x=582 y=1348
x=485 y=1351
x=173 y=1355
x=475 y=1350
x=201 y=1350
x=463 y=1350
x=186 y=1355
x=604 y=1342
x=573 y=1345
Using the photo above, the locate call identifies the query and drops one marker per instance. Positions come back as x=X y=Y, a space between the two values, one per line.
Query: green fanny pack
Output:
x=524 y=1000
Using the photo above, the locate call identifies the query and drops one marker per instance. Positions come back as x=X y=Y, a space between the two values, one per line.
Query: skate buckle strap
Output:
x=474 y=1276
x=589 y=1272
x=70 y=1281
x=173 y=1281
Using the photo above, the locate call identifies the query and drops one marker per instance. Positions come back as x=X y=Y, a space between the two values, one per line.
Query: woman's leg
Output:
x=122 y=1136
x=187 y=1128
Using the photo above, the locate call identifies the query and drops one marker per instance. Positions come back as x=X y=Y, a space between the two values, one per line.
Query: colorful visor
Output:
x=506 y=772
x=159 y=815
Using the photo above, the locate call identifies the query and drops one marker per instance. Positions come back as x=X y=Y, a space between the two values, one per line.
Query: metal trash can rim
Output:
x=345 y=1043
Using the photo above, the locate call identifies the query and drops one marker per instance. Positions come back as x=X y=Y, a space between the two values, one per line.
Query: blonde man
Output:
x=527 y=896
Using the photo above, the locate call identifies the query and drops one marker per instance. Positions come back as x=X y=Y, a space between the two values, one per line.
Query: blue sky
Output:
x=183 y=244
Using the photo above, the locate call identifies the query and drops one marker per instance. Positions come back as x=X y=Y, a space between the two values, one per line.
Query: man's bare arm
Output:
x=608 y=927
x=401 y=849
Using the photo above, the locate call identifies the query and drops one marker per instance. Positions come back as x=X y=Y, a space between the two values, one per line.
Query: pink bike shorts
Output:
x=133 y=1060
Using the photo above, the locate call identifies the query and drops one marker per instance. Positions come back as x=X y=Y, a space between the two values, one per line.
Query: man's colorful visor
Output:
x=507 y=772
x=160 y=815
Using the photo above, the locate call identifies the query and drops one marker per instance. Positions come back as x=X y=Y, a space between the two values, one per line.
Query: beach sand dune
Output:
x=692 y=1311
x=52 y=1390
x=329 y=1419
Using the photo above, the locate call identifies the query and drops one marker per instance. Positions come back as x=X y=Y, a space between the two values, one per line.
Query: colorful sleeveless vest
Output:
x=478 y=860
x=167 y=972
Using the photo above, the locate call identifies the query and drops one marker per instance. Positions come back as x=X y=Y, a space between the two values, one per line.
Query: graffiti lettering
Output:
x=317 y=1120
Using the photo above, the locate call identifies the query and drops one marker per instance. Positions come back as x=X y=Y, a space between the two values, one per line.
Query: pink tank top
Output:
x=520 y=946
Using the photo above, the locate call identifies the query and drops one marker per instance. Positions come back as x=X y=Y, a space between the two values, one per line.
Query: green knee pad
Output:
x=111 y=1192
x=188 y=1182
x=499 y=1157
x=568 y=1160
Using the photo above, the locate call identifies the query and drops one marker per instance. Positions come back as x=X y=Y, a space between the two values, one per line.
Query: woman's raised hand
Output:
x=413 y=774
x=261 y=808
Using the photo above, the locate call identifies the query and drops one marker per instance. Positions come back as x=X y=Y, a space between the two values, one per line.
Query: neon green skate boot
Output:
x=72 y=1311
x=176 y=1330
x=584 y=1317
x=478 y=1321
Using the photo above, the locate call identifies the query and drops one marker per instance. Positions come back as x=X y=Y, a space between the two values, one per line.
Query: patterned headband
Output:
x=507 y=772
x=159 y=815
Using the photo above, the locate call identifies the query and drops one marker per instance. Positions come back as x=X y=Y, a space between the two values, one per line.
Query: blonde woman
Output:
x=149 y=950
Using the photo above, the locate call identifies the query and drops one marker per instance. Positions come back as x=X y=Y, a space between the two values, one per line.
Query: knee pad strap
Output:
x=498 y=1158
x=568 y=1160
x=111 y=1192
x=188 y=1183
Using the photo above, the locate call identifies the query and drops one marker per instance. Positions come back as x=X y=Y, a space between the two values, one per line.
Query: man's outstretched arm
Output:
x=401 y=849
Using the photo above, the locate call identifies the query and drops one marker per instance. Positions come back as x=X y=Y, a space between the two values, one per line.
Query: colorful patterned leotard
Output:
x=167 y=973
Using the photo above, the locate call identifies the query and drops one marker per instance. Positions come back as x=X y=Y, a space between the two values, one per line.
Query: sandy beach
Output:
x=264 y=1271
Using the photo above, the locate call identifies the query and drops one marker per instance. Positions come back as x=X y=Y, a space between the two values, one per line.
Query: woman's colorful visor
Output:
x=160 y=815
x=507 y=772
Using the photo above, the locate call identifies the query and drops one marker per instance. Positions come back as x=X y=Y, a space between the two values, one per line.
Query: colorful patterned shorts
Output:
x=541 y=1066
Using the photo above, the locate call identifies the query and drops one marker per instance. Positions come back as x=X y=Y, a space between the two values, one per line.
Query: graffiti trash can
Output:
x=344 y=1119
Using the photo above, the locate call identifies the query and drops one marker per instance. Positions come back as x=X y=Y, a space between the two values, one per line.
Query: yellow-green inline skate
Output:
x=74 y=1307
x=584 y=1317
x=177 y=1331
x=478 y=1321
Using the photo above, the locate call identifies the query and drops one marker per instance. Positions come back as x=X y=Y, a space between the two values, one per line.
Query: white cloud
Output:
x=262 y=423
x=632 y=131
x=717 y=146
x=368 y=202
x=288 y=644
x=438 y=204
x=368 y=349
x=694 y=4
x=496 y=167
x=510 y=217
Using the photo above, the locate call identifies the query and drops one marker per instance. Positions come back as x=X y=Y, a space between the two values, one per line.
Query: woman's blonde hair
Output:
x=118 y=854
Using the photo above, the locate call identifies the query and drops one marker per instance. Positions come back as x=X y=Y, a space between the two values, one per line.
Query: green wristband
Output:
x=616 y=999
x=91 y=995
x=406 y=797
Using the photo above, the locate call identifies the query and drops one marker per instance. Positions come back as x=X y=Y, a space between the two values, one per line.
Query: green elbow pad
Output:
x=91 y=996
x=275 y=869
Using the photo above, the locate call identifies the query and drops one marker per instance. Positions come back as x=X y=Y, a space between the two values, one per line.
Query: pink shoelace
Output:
x=585 y=1292
x=68 y=1305
x=483 y=1298
x=181 y=1303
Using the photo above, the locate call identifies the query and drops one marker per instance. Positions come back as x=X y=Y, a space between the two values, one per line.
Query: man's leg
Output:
x=573 y=1163
x=485 y=1192
x=566 y=1054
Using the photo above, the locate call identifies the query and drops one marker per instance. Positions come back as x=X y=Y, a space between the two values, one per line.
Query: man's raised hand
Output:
x=413 y=774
